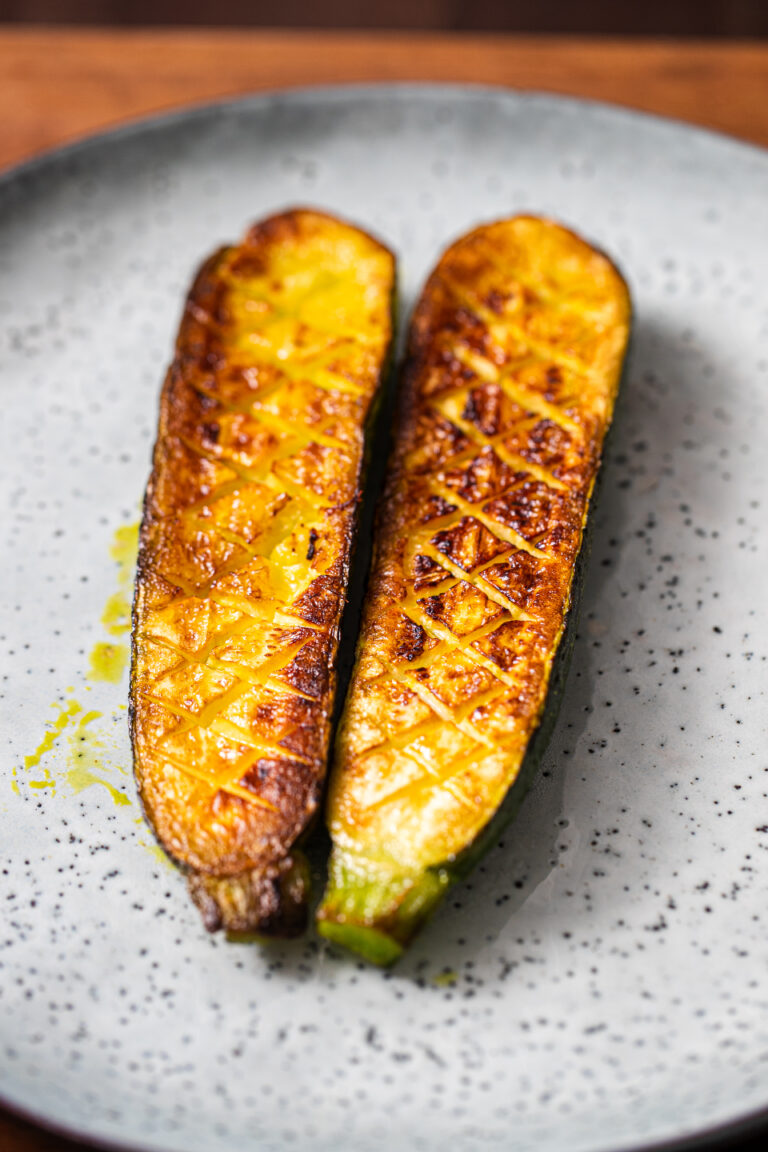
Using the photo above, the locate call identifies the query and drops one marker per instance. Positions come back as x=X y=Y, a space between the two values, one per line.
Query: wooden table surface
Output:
x=58 y=84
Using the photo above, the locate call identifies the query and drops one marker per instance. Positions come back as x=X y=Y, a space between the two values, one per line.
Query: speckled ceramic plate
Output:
x=602 y=981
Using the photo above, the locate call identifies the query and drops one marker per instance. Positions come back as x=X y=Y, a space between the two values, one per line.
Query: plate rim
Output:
x=719 y=1138
x=163 y=119
x=715 y=1138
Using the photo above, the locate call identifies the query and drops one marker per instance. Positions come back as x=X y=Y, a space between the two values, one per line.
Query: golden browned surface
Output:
x=244 y=550
x=515 y=354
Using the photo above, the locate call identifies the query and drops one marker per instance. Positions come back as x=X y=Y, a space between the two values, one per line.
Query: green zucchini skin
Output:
x=561 y=665
x=387 y=872
x=385 y=948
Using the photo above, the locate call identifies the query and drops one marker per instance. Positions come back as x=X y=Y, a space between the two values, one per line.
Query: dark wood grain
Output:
x=652 y=17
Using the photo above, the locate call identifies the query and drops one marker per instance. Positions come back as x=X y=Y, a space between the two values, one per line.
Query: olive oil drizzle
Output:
x=109 y=658
x=67 y=712
x=86 y=758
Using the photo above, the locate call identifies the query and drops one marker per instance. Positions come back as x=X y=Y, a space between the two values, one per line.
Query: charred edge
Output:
x=290 y=222
x=272 y=903
x=413 y=642
x=377 y=440
x=205 y=287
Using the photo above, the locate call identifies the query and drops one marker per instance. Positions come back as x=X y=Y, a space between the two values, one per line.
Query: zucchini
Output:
x=244 y=552
x=513 y=365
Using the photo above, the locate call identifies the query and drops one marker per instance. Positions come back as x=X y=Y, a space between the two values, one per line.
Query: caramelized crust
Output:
x=244 y=552
x=514 y=360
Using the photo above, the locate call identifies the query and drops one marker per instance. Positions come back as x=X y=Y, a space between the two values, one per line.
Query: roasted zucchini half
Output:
x=244 y=554
x=513 y=366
